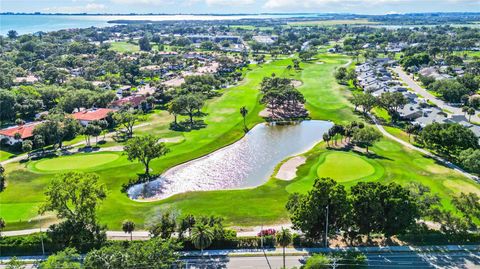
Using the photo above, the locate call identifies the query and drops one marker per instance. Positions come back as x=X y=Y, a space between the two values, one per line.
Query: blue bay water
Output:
x=25 y=24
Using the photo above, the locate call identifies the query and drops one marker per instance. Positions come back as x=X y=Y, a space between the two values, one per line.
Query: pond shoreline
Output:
x=239 y=165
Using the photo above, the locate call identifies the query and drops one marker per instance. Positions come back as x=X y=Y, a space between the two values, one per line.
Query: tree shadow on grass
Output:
x=351 y=148
x=187 y=126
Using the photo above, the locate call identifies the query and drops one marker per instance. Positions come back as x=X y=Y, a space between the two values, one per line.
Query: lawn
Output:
x=5 y=155
x=345 y=167
x=261 y=205
x=74 y=162
x=122 y=46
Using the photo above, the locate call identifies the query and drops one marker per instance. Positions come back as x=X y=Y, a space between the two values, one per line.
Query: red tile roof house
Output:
x=135 y=101
x=24 y=131
x=88 y=115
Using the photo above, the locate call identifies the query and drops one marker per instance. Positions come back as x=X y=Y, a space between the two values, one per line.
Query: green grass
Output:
x=382 y=114
x=74 y=162
x=5 y=155
x=251 y=27
x=399 y=133
x=345 y=167
x=261 y=205
x=122 y=46
x=470 y=54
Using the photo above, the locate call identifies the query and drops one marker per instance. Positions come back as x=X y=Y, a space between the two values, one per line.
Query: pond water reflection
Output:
x=248 y=162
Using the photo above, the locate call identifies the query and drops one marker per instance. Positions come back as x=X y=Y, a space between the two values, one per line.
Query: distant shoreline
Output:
x=223 y=14
x=162 y=14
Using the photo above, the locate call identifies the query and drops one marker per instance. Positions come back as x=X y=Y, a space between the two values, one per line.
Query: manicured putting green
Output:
x=80 y=161
x=344 y=167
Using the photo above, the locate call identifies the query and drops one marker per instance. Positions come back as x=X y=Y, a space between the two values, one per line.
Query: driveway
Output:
x=421 y=91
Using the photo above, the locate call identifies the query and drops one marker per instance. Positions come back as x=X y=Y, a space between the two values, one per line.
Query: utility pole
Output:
x=326 y=228
x=41 y=237
x=263 y=249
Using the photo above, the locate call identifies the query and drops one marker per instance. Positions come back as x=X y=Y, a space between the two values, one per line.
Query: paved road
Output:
x=450 y=256
x=463 y=260
x=438 y=102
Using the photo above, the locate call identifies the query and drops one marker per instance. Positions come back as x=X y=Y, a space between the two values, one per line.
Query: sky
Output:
x=239 y=6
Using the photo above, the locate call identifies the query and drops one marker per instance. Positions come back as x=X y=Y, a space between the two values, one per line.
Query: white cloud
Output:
x=90 y=7
x=142 y=2
x=230 y=2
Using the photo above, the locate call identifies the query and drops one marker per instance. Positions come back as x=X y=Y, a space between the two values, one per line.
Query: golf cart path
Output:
x=22 y=156
x=139 y=235
x=423 y=151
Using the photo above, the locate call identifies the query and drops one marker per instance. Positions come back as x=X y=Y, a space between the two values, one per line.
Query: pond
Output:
x=246 y=163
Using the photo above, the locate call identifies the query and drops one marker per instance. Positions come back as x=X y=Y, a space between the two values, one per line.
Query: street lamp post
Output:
x=326 y=229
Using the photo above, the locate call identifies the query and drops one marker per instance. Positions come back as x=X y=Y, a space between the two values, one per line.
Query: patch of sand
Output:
x=175 y=139
x=113 y=148
x=288 y=170
x=296 y=83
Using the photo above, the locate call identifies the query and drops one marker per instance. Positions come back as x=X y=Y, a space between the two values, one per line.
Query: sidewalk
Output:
x=144 y=235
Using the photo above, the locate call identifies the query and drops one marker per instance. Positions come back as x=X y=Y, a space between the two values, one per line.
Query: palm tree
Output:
x=284 y=238
x=202 y=236
x=243 y=112
x=128 y=226
x=471 y=111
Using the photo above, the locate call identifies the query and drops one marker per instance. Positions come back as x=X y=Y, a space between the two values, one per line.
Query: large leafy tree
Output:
x=308 y=212
x=392 y=101
x=108 y=257
x=366 y=137
x=448 y=138
x=74 y=197
x=451 y=90
x=2 y=178
x=145 y=149
x=68 y=258
x=388 y=209
x=155 y=253
x=126 y=119
x=144 y=44
x=57 y=128
x=191 y=103
x=469 y=205
x=7 y=103
x=470 y=159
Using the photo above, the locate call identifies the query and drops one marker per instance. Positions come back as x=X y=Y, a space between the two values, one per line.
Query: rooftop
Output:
x=92 y=114
x=25 y=130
